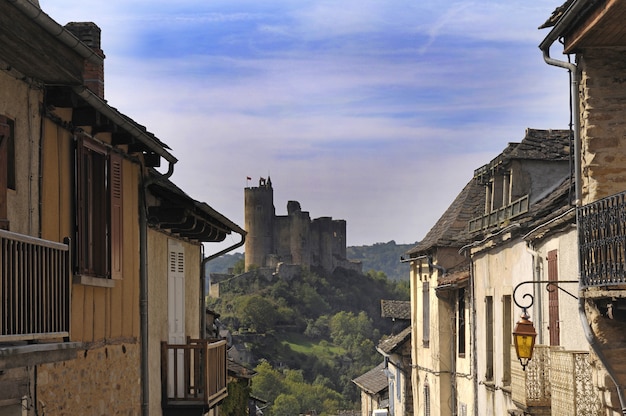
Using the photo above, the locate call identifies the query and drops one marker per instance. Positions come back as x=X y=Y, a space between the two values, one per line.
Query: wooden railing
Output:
x=500 y=215
x=35 y=283
x=194 y=374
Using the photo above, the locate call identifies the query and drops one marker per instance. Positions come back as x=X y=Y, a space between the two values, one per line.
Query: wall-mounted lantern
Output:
x=524 y=339
x=524 y=333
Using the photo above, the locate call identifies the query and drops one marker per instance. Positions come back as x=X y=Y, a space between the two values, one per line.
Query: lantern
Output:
x=524 y=339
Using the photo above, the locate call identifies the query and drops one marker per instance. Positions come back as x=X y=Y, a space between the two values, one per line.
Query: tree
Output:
x=286 y=405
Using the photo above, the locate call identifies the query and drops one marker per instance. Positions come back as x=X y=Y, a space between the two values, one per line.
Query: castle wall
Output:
x=290 y=239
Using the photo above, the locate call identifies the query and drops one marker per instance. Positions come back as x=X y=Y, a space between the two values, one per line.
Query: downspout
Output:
x=143 y=283
x=203 y=277
x=570 y=15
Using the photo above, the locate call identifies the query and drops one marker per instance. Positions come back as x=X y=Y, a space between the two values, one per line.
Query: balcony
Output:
x=602 y=242
x=35 y=282
x=193 y=376
x=499 y=216
x=556 y=382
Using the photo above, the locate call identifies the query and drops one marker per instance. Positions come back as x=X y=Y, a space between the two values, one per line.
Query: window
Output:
x=426 y=309
x=507 y=333
x=98 y=210
x=7 y=162
x=460 y=318
x=426 y=399
x=489 y=337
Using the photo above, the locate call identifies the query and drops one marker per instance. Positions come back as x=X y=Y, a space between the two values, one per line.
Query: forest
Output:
x=308 y=336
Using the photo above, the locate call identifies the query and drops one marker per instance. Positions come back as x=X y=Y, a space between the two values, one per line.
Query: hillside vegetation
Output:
x=379 y=257
x=308 y=336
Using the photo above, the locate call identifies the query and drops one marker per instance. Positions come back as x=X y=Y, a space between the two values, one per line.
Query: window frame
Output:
x=7 y=159
x=98 y=211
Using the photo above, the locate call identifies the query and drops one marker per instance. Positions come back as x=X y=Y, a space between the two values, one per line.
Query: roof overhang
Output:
x=37 y=47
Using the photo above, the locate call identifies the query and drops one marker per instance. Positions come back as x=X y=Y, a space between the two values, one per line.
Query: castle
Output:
x=292 y=239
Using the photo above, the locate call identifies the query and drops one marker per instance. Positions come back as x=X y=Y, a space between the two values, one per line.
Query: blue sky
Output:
x=372 y=111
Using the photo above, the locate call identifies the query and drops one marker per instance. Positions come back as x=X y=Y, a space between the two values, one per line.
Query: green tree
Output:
x=286 y=405
x=258 y=313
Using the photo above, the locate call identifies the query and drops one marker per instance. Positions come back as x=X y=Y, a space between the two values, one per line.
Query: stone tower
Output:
x=259 y=215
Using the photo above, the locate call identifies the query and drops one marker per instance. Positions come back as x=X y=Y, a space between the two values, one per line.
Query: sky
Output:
x=372 y=111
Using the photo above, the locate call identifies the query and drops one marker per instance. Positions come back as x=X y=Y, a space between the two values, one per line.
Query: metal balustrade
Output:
x=35 y=284
x=602 y=241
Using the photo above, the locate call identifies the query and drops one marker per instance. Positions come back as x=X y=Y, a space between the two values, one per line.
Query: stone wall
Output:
x=603 y=122
x=102 y=381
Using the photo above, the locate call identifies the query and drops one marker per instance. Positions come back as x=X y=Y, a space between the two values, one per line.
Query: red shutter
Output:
x=115 y=194
x=553 y=299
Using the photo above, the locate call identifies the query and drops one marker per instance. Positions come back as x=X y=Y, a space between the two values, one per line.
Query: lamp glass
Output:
x=524 y=345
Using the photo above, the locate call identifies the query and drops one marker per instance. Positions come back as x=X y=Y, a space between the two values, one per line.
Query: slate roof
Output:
x=374 y=381
x=446 y=231
x=556 y=15
x=390 y=344
x=451 y=230
x=395 y=309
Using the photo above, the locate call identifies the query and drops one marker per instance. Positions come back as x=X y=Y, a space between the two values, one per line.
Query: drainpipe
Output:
x=572 y=14
x=143 y=284
x=203 y=277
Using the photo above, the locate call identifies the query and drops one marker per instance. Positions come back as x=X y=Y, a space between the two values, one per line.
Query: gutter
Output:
x=59 y=32
x=571 y=16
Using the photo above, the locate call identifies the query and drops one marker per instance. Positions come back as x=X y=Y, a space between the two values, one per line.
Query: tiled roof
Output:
x=556 y=15
x=390 y=344
x=374 y=381
x=395 y=309
x=543 y=145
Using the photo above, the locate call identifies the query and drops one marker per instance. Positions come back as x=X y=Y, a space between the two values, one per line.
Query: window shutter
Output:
x=5 y=133
x=553 y=299
x=116 y=192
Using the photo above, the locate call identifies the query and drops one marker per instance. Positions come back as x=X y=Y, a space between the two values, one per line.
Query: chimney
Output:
x=93 y=75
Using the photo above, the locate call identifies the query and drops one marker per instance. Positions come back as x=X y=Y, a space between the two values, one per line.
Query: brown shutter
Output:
x=553 y=299
x=116 y=192
x=5 y=132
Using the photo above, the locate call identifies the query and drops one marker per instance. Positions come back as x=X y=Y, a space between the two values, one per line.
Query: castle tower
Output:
x=259 y=215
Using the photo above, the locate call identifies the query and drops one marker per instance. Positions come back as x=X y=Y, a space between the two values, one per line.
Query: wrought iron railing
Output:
x=602 y=241
x=500 y=215
x=194 y=374
x=35 y=283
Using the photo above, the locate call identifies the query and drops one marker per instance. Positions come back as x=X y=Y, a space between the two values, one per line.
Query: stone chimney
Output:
x=93 y=74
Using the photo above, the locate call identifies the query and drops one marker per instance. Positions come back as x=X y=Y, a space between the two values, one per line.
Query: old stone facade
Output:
x=293 y=238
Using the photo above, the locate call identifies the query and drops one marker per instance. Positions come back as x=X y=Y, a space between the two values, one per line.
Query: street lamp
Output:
x=524 y=339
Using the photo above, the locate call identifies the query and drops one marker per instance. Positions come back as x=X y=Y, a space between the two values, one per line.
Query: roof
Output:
x=374 y=381
x=587 y=23
x=239 y=371
x=391 y=344
x=183 y=215
x=395 y=309
x=38 y=47
x=468 y=204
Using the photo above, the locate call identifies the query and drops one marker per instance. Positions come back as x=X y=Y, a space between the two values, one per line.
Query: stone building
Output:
x=293 y=238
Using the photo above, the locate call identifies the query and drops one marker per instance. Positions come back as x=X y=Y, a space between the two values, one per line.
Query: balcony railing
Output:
x=573 y=391
x=531 y=388
x=34 y=288
x=194 y=374
x=602 y=241
x=500 y=215
x=556 y=380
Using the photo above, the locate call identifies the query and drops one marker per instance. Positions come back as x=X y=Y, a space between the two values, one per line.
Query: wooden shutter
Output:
x=116 y=215
x=553 y=299
x=5 y=135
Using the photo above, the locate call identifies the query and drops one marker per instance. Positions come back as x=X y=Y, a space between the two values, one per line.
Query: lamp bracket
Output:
x=551 y=285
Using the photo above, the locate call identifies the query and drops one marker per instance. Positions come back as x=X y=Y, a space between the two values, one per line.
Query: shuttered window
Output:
x=7 y=166
x=98 y=247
